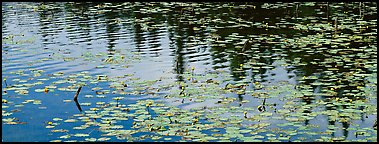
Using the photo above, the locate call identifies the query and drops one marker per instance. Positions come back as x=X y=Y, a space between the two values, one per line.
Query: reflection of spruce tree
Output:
x=178 y=53
x=111 y=28
x=50 y=14
x=153 y=39
x=308 y=101
x=265 y=49
x=154 y=33
x=82 y=19
x=308 y=69
x=342 y=81
x=138 y=38
x=44 y=26
x=322 y=77
x=331 y=122
x=235 y=62
x=345 y=124
x=154 y=43
x=343 y=72
x=178 y=61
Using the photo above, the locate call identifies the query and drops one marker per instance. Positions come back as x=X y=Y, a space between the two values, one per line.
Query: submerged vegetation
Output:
x=237 y=72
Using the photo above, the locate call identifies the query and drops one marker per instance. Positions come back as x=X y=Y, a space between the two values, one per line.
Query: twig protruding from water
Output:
x=76 y=98
x=77 y=93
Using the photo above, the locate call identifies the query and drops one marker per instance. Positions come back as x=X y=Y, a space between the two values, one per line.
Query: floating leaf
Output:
x=81 y=135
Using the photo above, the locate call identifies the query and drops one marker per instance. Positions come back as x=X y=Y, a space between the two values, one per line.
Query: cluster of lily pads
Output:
x=238 y=104
x=221 y=122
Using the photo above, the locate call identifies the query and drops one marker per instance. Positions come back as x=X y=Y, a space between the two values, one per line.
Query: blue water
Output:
x=71 y=38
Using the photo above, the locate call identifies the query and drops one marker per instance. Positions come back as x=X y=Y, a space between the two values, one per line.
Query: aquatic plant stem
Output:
x=5 y=81
x=264 y=101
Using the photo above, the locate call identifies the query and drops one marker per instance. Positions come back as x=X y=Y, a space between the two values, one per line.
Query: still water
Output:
x=189 y=71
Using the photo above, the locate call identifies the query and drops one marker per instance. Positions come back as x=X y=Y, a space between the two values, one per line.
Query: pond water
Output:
x=299 y=71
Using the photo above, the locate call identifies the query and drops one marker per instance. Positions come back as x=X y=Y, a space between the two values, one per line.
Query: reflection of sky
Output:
x=65 y=36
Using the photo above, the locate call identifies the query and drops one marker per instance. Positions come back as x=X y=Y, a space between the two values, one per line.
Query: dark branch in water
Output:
x=77 y=93
x=76 y=99
x=78 y=105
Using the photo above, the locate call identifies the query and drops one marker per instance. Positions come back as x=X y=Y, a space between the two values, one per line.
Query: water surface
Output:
x=313 y=64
